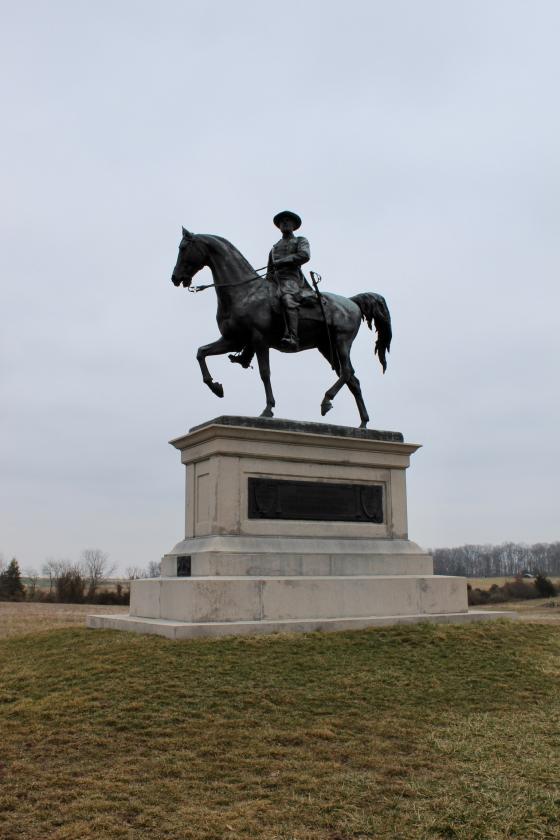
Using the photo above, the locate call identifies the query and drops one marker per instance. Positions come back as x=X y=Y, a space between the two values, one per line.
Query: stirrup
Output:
x=290 y=341
x=237 y=358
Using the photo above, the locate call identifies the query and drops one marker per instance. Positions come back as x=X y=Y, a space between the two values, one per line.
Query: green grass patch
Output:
x=407 y=732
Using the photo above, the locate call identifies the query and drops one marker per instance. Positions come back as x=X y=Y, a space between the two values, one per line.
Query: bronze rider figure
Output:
x=284 y=268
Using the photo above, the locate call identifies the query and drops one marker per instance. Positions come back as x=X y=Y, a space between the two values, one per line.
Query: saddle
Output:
x=309 y=306
x=312 y=308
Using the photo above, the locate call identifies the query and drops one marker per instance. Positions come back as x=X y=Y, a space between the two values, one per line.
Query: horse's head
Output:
x=192 y=258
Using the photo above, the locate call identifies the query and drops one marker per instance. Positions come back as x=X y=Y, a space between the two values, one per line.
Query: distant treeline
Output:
x=507 y=559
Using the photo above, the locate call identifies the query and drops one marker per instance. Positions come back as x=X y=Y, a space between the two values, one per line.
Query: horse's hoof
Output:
x=325 y=407
x=267 y=413
x=363 y=424
x=216 y=388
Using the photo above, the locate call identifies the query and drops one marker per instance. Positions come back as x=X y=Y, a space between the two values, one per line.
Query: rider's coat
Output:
x=289 y=276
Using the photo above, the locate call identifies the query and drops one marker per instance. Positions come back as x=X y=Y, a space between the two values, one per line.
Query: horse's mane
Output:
x=235 y=252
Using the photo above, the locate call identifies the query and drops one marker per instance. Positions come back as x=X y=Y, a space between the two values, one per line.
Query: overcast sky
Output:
x=419 y=141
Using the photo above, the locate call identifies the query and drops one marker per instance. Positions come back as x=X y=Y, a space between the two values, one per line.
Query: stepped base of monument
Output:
x=178 y=630
x=182 y=608
x=233 y=555
x=252 y=598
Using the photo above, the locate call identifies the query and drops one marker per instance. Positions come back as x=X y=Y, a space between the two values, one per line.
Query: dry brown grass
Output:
x=404 y=733
x=19 y=618
x=538 y=611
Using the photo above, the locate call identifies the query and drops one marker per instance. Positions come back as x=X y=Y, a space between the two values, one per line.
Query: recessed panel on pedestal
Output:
x=273 y=498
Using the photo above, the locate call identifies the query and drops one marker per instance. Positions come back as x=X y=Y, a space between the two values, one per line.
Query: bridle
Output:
x=250 y=279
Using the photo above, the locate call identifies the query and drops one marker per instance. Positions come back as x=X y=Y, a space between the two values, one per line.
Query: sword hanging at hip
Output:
x=316 y=279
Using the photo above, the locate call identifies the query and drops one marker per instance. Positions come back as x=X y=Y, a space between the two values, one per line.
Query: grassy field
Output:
x=411 y=732
x=486 y=583
x=537 y=611
x=17 y=618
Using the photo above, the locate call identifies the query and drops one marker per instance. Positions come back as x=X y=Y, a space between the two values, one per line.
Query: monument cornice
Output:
x=294 y=433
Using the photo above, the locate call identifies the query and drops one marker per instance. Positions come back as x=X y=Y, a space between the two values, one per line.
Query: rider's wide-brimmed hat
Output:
x=287 y=214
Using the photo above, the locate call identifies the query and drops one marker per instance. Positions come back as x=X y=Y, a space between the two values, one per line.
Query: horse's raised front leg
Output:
x=264 y=370
x=217 y=348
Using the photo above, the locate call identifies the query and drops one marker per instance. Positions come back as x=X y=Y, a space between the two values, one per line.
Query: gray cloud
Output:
x=419 y=143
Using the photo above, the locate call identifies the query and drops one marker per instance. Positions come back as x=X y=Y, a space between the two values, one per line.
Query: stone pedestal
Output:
x=290 y=527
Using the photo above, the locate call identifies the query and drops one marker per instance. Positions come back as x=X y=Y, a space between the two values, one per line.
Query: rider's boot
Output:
x=290 y=340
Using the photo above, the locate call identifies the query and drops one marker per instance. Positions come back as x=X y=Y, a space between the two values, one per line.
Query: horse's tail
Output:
x=374 y=308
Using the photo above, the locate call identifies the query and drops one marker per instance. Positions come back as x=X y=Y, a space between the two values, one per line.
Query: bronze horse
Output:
x=251 y=320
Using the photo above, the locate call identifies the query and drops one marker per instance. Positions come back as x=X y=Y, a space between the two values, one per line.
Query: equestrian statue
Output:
x=280 y=310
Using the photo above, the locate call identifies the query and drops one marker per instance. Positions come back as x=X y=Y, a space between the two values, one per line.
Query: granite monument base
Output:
x=292 y=527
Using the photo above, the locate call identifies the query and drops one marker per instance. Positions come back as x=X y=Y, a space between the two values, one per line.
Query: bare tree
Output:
x=53 y=569
x=32 y=576
x=154 y=569
x=505 y=560
x=135 y=573
x=97 y=568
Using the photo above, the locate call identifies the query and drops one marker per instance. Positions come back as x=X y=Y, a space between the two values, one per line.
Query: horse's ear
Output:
x=187 y=234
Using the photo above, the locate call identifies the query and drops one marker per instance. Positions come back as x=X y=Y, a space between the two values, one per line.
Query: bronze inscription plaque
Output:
x=273 y=498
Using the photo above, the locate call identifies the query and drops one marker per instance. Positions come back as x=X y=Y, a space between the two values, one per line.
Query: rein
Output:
x=195 y=289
